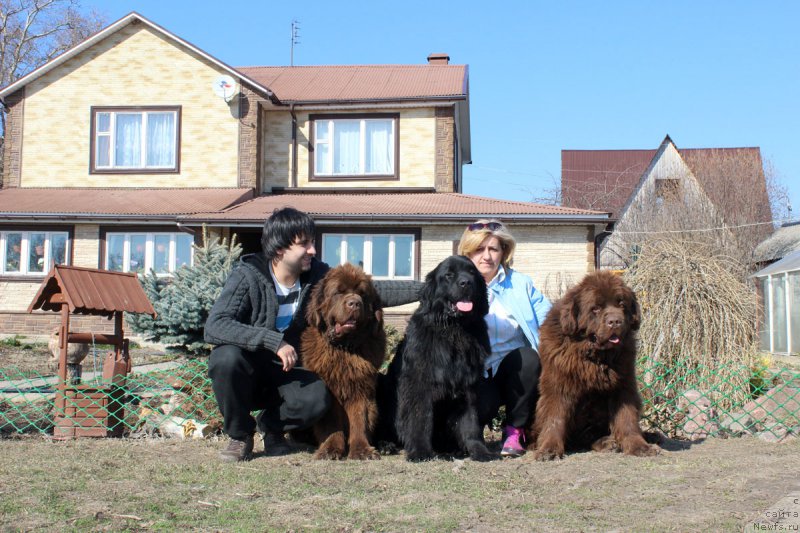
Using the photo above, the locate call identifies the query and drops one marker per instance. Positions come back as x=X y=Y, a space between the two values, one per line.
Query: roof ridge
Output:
x=368 y=65
x=723 y=148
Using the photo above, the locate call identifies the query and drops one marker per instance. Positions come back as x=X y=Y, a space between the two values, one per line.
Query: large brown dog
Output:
x=588 y=397
x=345 y=345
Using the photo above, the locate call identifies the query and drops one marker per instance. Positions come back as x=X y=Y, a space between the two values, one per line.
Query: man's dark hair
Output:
x=282 y=228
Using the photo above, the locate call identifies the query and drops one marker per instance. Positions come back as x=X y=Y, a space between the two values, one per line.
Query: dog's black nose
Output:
x=463 y=282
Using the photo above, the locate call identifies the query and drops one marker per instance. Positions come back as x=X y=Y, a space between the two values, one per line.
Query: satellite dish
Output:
x=225 y=87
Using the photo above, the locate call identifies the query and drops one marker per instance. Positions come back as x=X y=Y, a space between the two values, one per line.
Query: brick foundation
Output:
x=22 y=323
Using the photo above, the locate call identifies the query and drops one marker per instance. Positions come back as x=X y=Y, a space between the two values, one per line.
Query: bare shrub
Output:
x=698 y=327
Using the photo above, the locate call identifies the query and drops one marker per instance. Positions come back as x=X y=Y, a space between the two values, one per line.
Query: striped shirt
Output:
x=288 y=298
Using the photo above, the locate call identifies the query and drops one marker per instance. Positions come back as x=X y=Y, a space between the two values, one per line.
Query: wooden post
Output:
x=63 y=346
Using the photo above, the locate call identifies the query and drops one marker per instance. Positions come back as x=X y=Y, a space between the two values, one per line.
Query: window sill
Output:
x=27 y=278
x=135 y=171
x=356 y=177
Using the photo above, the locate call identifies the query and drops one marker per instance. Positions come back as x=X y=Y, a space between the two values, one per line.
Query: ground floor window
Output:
x=32 y=253
x=141 y=252
x=385 y=256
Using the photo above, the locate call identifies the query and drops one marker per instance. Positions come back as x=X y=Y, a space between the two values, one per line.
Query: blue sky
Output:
x=546 y=76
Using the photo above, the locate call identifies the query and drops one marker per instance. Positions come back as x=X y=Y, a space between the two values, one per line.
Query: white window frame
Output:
x=24 y=252
x=113 y=113
x=367 y=252
x=362 y=146
x=149 y=252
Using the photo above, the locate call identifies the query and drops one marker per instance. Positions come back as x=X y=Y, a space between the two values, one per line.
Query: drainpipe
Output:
x=294 y=146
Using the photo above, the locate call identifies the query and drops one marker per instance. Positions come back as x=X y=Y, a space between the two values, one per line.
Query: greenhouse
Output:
x=779 y=286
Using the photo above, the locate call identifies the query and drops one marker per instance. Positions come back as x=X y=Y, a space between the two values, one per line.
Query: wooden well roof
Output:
x=90 y=291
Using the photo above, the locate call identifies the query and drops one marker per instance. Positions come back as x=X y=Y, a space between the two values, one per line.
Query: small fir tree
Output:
x=183 y=302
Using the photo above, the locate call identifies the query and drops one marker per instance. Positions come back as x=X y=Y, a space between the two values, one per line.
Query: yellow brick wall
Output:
x=17 y=295
x=133 y=67
x=277 y=149
x=417 y=150
x=86 y=246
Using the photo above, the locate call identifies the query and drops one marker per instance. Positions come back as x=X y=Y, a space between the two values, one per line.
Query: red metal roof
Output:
x=343 y=205
x=605 y=179
x=361 y=82
x=122 y=202
x=90 y=291
x=601 y=179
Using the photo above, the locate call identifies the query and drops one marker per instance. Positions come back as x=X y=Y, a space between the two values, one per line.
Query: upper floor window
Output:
x=141 y=252
x=135 y=139
x=32 y=253
x=385 y=256
x=348 y=146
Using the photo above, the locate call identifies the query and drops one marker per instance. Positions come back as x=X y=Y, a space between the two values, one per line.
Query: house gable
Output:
x=667 y=186
x=135 y=67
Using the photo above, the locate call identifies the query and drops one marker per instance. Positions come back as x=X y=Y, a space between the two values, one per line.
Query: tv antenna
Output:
x=295 y=40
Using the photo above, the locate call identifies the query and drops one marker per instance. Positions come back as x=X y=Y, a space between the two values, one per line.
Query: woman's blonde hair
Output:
x=471 y=239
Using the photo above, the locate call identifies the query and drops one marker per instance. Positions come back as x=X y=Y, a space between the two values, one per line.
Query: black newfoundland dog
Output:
x=430 y=389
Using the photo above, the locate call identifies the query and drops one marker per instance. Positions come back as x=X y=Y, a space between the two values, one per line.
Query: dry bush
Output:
x=698 y=327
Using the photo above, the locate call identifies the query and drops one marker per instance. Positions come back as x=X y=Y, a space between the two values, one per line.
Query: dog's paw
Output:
x=642 y=450
x=477 y=451
x=418 y=456
x=362 y=454
x=483 y=456
x=329 y=454
x=388 y=448
x=606 y=444
x=547 y=454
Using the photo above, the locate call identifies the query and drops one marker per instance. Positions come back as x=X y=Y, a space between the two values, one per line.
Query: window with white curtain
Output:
x=32 y=253
x=354 y=146
x=135 y=139
x=385 y=256
x=141 y=252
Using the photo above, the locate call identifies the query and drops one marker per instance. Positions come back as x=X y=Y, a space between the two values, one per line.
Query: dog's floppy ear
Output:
x=568 y=314
x=314 y=314
x=482 y=297
x=428 y=291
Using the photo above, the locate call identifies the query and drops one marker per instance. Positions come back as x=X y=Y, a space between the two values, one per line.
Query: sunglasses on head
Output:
x=491 y=226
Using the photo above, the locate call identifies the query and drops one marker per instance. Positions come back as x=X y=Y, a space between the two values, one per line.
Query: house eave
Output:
x=406 y=220
x=418 y=101
x=86 y=218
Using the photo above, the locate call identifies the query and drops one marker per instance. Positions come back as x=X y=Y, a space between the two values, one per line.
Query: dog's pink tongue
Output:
x=614 y=339
x=464 y=307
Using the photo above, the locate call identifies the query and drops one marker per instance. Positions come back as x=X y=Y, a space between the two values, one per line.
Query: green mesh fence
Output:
x=172 y=399
x=692 y=401
x=685 y=400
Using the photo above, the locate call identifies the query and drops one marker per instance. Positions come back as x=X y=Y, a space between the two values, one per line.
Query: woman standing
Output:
x=516 y=309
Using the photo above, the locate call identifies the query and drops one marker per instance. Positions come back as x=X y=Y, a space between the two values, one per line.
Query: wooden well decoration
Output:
x=93 y=410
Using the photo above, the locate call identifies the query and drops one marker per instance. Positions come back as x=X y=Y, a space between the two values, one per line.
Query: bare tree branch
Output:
x=32 y=32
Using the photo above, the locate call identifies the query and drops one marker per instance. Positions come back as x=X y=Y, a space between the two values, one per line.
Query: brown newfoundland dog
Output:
x=588 y=397
x=345 y=345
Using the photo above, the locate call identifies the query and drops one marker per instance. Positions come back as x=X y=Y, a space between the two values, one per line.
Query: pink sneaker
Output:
x=512 y=447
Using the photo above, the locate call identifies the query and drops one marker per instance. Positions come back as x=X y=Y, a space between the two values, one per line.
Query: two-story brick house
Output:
x=119 y=150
